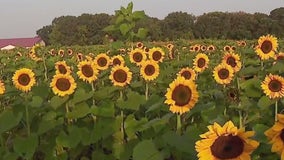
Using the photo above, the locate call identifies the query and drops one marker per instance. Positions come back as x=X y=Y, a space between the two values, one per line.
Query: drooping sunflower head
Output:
x=233 y=60
x=62 y=68
x=102 y=61
x=120 y=75
x=223 y=73
x=225 y=142
x=87 y=71
x=2 y=87
x=139 y=45
x=200 y=62
x=156 y=54
x=24 y=79
x=137 y=56
x=117 y=60
x=149 y=70
x=62 y=84
x=273 y=86
x=181 y=95
x=187 y=73
x=267 y=45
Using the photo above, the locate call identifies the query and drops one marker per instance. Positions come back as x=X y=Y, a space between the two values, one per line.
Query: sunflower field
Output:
x=180 y=100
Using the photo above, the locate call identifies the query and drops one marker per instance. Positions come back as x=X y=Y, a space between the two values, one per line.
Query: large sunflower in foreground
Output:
x=187 y=73
x=149 y=70
x=275 y=135
x=267 y=45
x=200 y=62
x=2 y=88
x=87 y=71
x=225 y=143
x=24 y=79
x=137 y=56
x=62 y=68
x=156 y=54
x=273 y=86
x=223 y=73
x=117 y=60
x=120 y=75
x=62 y=84
x=102 y=61
x=233 y=60
x=181 y=95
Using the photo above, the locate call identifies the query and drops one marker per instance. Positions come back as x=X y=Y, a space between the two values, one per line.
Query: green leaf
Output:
x=138 y=14
x=47 y=125
x=8 y=120
x=26 y=146
x=259 y=132
x=36 y=101
x=124 y=28
x=142 y=33
x=119 y=19
x=264 y=102
x=252 y=87
x=80 y=110
x=109 y=28
x=70 y=140
x=80 y=95
x=106 y=109
x=133 y=101
x=146 y=150
x=130 y=7
x=56 y=101
x=104 y=93
x=38 y=90
x=131 y=126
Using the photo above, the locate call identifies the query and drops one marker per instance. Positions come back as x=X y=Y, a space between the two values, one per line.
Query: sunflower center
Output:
x=137 y=57
x=186 y=74
x=282 y=135
x=157 y=55
x=181 y=95
x=274 y=85
x=149 y=70
x=102 y=61
x=210 y=48
x=266 y=46
x=63 y=84
x=231 y=61
x=24 y=79
x=87 y=71
x=227 y=48
x=201 y=62
x=196 y=48
x=223 y=73
x=62 y=69
x=227 y=147
x=120 y=76
x=116 y=61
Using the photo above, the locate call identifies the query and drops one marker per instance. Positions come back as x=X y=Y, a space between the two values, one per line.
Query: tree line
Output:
x=88 y=29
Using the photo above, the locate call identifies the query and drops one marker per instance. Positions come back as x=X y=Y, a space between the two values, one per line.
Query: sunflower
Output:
x=62 y=68
x=267 y=45
x=52 y=52
x=211 y=48
x=61 y=53
x=63 y=84
x=191 y=49
x=2 y=87
x=227 y=142
x=102 y=61
x=146 y=49
x=233 y=60
x=197 y=48
x=87 y=71
x=223 y=73
x=139 y=45
x=203 y=48
x=273 y=86
x=200 y=62
x=117 y=60
x=279 y=56
x=79 y=57
x=275 y=135
x=120 y=75
x=156 y=54
x=137 y=56
x=233 y=48
x=181 y=95
x=149 y=70
x=227 y=48
x=187 y=73
x=170 y=46
x=241 y=43
x=69 y=51
x=24 y=79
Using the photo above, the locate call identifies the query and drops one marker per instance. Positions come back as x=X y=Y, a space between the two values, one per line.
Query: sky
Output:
x=22 y=18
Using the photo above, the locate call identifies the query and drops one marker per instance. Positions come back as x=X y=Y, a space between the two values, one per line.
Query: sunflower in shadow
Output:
x=120 y=75
x=87 y=71
x=24 y=79
x=62 y=84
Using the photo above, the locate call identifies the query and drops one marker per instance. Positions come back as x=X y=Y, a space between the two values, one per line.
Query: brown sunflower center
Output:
x=87 y=71
x=227 y=48
x=116 y=61
x=62 y=69
x=231 y=61
x=149 y=70
x=63 y=84
x=24 y=79
x=203 y=48
x=223 y=73
x=266 y=46
x=196 y=48
x=275 y=85
x=210 y=48
x=120 y=76
x=137 y=57
x=282 y=135
x=181 y=95
x=102 y=61
x=227 y=147
x=201 y=62
x=157 y=55
x=186 y=74
x=233 y=48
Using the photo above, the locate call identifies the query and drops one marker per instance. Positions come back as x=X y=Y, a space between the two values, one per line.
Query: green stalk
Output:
x=27 y=120
x=179 y=124
x=147 y=91
x=276 y=110
x=240 y=119
x=93 y=89
x=45 y=69
x=122 y=115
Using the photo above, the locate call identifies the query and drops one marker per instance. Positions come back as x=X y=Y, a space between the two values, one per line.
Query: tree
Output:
x=44 y=32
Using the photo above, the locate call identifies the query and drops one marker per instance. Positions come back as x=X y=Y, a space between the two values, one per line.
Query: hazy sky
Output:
x=22 y=18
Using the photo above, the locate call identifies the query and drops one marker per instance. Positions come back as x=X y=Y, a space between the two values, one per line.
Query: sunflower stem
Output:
x=179 y=131
x=27 y=120
x=67 y=111
x=240 y=119
x=122 y=125
x=147 y=91
x=93 y=89
x=262 y=65
x=45 y=69
x=276 y=110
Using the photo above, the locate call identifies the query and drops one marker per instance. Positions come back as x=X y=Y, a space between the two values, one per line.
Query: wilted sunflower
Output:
x=275 y=135
x=87 y=71
x=156 y=54
x=62 y=84
x=273 y=86
x=120 y=75
x=2 y=87
x=139 y=45
x=149 y=70
x=137 y=56
x=227 y=142
x=227 y=48
x=223 y=73
x=181 y=95
x=267 y=45
x=102 y=61
x=62 y=68
x=187 y=73
x=233 y=60
x=117 y=60
x=200 y=62
x=24 y=79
